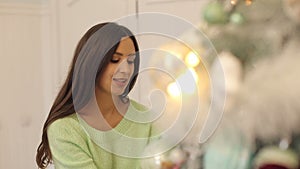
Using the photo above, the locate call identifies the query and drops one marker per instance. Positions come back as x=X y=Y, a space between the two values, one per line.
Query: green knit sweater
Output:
x=75 y=145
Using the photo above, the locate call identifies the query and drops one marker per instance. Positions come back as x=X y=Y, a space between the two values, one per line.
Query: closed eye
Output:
x=114 y=60
x=130 y=61
x=131 y=58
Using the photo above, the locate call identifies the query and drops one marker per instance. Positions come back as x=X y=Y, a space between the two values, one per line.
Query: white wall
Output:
x=22 y=84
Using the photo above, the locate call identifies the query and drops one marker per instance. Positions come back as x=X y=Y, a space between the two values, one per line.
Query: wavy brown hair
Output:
x=92 y=54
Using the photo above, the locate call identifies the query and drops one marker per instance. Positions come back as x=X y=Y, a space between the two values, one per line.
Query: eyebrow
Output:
x=121 y=54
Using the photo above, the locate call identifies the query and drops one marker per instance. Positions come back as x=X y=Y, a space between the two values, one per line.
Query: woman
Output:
x=92 y=103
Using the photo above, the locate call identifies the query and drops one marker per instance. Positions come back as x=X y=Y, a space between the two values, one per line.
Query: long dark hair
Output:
x=92 y=54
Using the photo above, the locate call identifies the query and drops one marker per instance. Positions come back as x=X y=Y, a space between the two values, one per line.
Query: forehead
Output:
x=126 y=46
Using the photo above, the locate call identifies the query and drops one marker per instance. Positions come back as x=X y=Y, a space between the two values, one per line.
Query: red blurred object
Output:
x=272 y=166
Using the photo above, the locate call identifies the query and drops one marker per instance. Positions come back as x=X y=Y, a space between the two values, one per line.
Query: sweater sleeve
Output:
x=68 y=146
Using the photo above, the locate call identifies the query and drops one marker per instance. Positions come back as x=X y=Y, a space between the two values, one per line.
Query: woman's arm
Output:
x=68 y=147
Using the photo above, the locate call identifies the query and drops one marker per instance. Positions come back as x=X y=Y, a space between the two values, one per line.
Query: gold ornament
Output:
x=248 y=2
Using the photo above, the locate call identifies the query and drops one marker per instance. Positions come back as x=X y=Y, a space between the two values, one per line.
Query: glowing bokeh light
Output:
x=192 y=59
x=173 y=89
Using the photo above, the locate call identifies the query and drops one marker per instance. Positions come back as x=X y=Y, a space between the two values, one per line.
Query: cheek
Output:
x=105 y=77
x=109 y=71
x=131 y=70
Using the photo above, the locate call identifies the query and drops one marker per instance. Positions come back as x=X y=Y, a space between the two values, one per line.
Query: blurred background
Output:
x=256 y=41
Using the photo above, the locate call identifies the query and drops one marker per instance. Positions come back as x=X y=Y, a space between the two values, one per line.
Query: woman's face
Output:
x=119 y=70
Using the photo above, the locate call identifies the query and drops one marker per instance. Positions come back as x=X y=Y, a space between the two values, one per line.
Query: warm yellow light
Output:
x=233 y=2
x=173 y=89
x=248 y=2
x=176 y=53
x=194 y=73
x=192 y=59
x=157 y=160
x=175 y=49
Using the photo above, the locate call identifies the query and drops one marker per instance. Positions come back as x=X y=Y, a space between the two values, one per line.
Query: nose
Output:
x=124 y=67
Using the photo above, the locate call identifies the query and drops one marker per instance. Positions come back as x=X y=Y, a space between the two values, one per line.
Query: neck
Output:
x=111 y=112
x=107 y=103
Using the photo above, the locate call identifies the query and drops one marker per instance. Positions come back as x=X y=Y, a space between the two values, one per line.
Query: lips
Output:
x=120 y=81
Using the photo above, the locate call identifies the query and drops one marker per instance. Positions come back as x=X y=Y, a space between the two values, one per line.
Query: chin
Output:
x=117 y=92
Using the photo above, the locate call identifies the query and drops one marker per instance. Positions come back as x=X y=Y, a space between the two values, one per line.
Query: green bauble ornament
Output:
x=237 y=18
x=214 y=13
